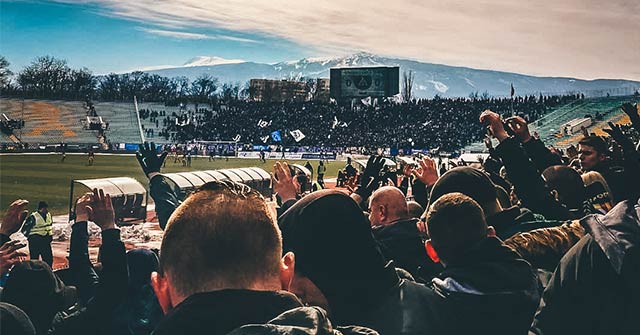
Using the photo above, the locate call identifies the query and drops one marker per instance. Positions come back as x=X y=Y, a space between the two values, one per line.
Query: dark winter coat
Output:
x=594 y=289
x=490 y=291
x=401 y=242
x=247 y=312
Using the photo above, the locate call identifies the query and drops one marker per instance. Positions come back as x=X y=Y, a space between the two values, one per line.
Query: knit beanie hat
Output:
x=334 y=248
x=469 y=181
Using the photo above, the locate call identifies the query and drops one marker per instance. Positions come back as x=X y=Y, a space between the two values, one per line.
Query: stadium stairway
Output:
x=48 y=121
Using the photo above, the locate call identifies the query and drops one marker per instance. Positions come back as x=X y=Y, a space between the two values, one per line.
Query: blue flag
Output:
x=275 y=136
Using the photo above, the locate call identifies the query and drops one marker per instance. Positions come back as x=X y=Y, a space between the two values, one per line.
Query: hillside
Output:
x=430 y=79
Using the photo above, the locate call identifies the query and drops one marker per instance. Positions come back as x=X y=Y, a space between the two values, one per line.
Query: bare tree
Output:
x=407 y=85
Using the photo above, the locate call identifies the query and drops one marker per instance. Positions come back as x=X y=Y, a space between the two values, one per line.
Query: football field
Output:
x=47 y=178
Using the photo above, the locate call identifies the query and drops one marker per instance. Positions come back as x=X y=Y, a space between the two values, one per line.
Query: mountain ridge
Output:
x=430 y=79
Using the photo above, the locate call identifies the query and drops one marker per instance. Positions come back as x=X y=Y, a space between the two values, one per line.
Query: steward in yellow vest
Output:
x=39 y=229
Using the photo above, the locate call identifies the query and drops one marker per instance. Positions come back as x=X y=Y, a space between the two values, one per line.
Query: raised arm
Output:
x=161 y=191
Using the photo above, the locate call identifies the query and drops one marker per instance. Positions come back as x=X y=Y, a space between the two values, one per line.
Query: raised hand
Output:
x=10 y=255
x=632 y=110
x=285 y=185
x=82 y=207
x=616 y=133
x=149 y=159
x=407 y=170
x=427 y=173
x=14 y=217
x=101 y=210
x=494 y=121
x=369 y=181
x=520 y=128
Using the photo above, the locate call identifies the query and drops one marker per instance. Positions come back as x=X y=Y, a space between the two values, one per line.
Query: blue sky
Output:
x=586 y=39
x=86 y=37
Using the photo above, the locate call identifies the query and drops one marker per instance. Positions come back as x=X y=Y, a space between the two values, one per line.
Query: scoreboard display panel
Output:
x=364 y=82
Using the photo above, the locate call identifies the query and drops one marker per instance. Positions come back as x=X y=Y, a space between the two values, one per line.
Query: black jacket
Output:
x=400 y=241
x=516 y=220
x=405 y=307
x=617 y=179
x=594 y=289
x=103 y=293
x=492 y=291
x=528 y=183
x=245 y=312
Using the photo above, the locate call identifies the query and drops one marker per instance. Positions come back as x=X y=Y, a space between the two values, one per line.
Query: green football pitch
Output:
x=45 y=177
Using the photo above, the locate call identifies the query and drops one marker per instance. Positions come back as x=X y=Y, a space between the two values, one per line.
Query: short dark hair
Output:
x=222 y=235
x=596 y=142
x=454 y=223
x=568 y=183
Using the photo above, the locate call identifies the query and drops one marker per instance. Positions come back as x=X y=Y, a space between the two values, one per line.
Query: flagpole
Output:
x=513 y=93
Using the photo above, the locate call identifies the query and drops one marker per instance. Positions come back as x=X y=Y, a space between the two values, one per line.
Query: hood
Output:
x=489 y=270
x=617 y=233
x=219 y=312
x=492 y=291
x=302 y=321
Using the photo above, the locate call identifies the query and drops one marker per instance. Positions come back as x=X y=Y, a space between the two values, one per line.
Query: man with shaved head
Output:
x=396 y=231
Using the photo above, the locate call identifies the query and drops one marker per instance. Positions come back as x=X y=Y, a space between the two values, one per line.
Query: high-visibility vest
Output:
x=43 y=226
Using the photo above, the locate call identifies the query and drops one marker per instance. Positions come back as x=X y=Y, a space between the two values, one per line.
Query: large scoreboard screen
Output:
x=363 y=82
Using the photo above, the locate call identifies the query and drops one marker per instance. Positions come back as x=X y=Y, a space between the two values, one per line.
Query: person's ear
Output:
x=491 y=232
x=287 y=270
x=431 y=251
x=382 y=212
x=160 y=286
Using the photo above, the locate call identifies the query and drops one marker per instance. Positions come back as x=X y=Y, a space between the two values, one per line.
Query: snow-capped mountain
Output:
x=210 y=61
x=430 y=79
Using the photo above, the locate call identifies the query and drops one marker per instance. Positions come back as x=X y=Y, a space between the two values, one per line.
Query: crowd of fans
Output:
x=526 y=241
x=425 y=123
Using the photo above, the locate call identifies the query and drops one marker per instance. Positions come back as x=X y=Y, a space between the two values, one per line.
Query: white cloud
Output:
x=580 y=38
x=194 y=36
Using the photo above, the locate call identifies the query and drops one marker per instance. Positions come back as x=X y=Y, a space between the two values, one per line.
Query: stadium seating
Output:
x=549 y=125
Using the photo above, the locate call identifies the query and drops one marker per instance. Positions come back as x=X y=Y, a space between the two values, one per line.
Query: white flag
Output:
x=237 y=138
x=335 y=122
x=262 y=123
x=297 y=135
x=366 y=101
x=264 y=139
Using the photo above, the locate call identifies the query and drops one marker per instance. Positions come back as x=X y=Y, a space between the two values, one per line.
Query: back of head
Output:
x=567 y=183
x=222 y=236
x=415 y=209
x=469 y=181
x=333 y=244
x=33 y=287
x=14 y=321
x=141 y=263
x=393 y=200
x=455 y=222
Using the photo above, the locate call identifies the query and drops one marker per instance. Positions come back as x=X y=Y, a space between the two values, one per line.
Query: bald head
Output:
x=387 y=205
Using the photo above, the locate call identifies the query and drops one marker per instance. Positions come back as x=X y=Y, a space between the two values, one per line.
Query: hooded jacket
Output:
x=246 y=312
x=594 y=289
x=489 y=290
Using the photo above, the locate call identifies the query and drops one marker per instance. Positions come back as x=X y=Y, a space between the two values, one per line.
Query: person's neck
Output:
x=393 y=220
x=492 y=208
